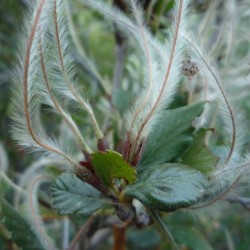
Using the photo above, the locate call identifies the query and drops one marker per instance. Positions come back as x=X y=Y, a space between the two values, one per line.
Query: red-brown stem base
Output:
x=119 y=237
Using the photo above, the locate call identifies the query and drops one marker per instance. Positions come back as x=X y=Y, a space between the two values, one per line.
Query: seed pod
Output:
x=189 y=68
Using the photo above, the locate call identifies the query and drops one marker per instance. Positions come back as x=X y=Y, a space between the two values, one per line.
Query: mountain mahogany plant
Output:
x=159 y=161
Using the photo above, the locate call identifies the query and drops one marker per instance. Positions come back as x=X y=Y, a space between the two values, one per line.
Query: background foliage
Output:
x=98 y=39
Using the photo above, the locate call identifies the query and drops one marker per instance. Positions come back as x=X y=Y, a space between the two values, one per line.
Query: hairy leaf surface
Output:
x=71 y=195
x=168 y=187
x=21 y=232
x=170 y=137
x=110 y=165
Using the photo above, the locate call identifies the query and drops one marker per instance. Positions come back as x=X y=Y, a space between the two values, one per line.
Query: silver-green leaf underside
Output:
x=71 y=195
x=168 y=187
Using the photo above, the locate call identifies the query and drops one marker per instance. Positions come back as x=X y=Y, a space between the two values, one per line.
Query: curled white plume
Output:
x=64 y=63
x=32 y=210
x=32 y=171
x=163 y=77
x=30 y=76
x=162 y=65
x=217 y=92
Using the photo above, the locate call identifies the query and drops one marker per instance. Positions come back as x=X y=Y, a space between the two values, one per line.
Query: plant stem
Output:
x=80 y=233
x=163 y=228
x=119 y=237
x=65 y=233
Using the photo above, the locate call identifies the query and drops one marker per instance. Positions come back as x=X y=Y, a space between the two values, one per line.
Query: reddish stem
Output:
x=137 y=155
x=119 y=237
x=92 y=179
x=102 y=145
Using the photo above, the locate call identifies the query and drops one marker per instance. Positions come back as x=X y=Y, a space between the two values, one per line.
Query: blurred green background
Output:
x=229 y=231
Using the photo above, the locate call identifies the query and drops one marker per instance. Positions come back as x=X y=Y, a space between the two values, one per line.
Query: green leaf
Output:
x=110 y=166
x=21 y=232
x=190 y=238
x=71 y=195
x=198 y=155
x=171 y=136
x=168 y=187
